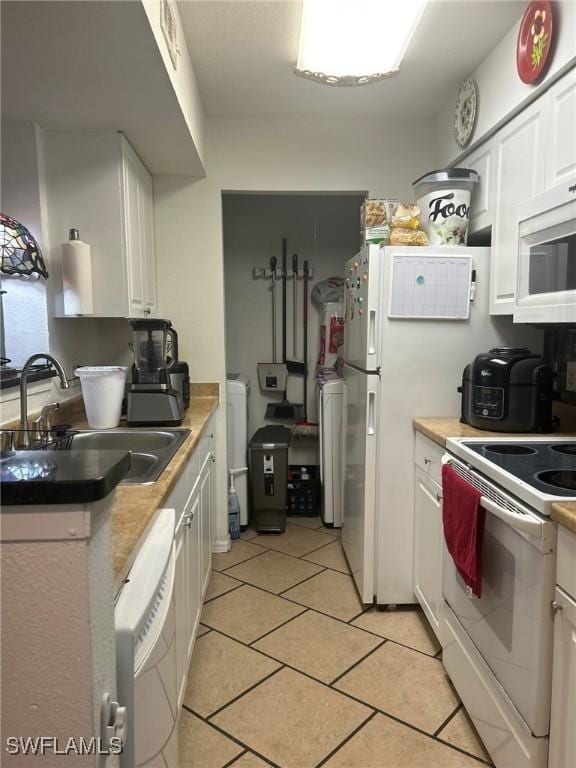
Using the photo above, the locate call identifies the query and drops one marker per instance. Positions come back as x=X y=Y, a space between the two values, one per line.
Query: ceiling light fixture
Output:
x=355 y=42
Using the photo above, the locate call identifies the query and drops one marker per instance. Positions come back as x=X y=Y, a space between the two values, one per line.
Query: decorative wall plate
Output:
x=534 y=41
x=465 y=112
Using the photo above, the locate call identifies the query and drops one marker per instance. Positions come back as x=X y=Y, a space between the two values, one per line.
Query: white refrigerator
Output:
x=410 y=329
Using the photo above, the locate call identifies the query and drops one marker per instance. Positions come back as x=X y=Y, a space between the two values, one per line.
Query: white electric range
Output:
x=498 y=648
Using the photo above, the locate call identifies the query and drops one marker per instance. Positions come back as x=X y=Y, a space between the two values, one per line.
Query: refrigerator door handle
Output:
x=371 y=413
x=372 y=332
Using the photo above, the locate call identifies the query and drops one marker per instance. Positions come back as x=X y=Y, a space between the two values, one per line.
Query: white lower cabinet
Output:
x=193 y=498
x=428 y=530
x=428 y=538
x=187 y=592
x=562 y=752
x=206 y=477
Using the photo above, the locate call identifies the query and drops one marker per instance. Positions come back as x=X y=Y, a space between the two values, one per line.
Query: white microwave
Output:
x=546 y=289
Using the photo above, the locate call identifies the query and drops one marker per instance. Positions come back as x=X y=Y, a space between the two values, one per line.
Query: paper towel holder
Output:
x=78 y=287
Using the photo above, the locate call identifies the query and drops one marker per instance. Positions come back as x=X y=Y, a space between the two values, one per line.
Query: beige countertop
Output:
x=440 y=429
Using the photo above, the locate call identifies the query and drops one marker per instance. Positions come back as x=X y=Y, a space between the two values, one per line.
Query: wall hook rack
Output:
x=266 y=273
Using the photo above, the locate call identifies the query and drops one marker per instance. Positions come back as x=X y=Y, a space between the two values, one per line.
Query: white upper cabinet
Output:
x=139 y=227
x=96 y=183
x=482 y=200
x=561 y=131
x=519 y=157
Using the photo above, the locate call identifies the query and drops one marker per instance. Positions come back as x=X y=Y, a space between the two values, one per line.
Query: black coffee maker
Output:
x=178 y=370
x=153 y=397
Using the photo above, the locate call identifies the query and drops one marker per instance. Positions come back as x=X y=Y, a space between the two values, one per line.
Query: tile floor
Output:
x=291 y=670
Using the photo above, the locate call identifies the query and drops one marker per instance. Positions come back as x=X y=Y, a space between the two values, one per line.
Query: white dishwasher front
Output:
x=146 y=651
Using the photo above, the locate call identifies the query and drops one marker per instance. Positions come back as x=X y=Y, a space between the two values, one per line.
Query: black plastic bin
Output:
x=303 y=495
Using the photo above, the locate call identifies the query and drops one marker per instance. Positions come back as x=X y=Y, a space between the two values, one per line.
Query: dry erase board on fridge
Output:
x=430 y=287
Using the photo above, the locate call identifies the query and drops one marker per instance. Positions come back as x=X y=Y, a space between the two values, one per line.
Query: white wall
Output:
x=321 y=229
x=382 y=157
x=500 y=88
x=30 y=327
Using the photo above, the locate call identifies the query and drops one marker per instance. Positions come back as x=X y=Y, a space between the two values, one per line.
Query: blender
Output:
x=151 y=398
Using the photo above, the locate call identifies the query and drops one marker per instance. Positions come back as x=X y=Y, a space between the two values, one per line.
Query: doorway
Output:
x=324 y=230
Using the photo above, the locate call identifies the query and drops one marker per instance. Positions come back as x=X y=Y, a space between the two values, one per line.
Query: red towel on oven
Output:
x=463 y=520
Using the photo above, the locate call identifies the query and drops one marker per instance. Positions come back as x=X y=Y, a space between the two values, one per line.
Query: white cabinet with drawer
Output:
x=428 y=530
x=193 y=499
x=562 y=752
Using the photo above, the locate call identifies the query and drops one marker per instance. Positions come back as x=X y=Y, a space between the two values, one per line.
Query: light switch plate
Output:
x=571 y=376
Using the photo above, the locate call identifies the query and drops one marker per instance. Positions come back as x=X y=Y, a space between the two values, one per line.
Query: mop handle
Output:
x=273 y=270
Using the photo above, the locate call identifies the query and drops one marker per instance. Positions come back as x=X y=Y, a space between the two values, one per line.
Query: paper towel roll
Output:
x=77 y=276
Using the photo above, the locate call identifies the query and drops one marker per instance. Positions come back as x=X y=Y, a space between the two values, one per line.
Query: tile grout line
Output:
x=344 y=693
x=322 y=569
x=348 y=623
x=464 y=752
x=239 y=696
x=316 y=549
x=354 y=618
x=285 y=554
x=256 y=586
x=323 y=546
x=356 y=663
x=252 y=557
x=231 y=762
x=445 y=723
x=288 y=554
x=256 y=640
x=233 y=589
x=294 y=602
x=376 y=710
x=346 y=740
x=245 y=747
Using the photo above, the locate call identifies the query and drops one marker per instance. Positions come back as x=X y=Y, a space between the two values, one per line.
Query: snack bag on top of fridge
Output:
x=408 y=237
x=374 y=226
x=405 y=216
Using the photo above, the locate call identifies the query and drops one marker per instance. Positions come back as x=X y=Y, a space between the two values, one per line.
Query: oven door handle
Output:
x=532 y=528
x=524 y=524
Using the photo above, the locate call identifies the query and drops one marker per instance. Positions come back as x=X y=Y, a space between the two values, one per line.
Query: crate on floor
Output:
x=303 y=495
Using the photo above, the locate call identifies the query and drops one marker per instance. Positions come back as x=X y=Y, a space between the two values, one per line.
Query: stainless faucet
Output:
x=24 y=437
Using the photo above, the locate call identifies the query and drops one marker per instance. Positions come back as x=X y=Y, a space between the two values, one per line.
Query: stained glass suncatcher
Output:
x=20 y=254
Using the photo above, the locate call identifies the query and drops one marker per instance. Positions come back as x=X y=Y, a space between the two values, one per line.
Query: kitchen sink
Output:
x=151 y=450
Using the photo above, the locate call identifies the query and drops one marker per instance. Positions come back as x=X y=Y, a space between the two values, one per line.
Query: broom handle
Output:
x=305 y=302
x=284 y=252
x=273 y=271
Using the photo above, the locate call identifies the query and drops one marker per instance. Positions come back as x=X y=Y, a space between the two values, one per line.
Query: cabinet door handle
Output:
x=188 y=519
x=427 y=460
x=556 y=606
x=438 y=497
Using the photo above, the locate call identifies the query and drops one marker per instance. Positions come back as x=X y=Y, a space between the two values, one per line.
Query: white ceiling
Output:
x=243 y=52
x=94 y=65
